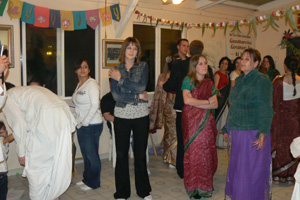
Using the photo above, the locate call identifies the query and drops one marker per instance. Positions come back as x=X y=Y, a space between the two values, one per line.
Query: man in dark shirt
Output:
x=179 y=71
x=107 y=105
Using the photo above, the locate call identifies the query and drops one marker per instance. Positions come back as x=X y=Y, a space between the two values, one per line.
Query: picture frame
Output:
x=6 y=37
x=111 y=52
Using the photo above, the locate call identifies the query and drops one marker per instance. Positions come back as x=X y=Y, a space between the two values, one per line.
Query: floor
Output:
x=166 y=185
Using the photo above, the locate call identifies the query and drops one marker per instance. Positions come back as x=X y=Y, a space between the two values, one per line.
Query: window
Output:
x=156 y=42
x=51 y=53
x=41 y=56
x=146 y=36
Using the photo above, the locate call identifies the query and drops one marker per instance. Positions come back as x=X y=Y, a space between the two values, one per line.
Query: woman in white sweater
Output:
x=86 y=98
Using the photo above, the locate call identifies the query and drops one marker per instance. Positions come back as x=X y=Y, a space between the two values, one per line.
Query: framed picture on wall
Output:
x=6 y=38
x=111 y=50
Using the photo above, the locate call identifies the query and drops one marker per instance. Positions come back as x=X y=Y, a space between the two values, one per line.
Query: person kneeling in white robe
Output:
x=295 y=150
x=42 y=124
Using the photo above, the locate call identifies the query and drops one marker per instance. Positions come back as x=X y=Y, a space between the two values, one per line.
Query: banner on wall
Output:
x=236 y=43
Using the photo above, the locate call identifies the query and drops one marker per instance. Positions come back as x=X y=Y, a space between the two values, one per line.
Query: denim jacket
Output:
x=131 y=84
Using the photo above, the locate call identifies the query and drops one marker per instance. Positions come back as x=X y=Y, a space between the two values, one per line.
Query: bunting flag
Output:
x=2 y=6
x=28 y=13
x=92 y=18
x=79 y=18
x=54 y=19
x=105 y=15
x=41 y=17
x=15 y=9
x=66 y=19
x=115 y=12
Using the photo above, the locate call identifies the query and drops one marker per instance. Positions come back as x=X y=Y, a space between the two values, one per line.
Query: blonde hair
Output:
x=192 y=69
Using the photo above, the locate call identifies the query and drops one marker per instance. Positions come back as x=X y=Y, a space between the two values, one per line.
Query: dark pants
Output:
x=88 y=139
x=180 y=147
x=3 y=186
x=123 y=128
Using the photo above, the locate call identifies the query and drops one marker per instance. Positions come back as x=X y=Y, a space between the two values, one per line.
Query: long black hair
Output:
x=292 y=63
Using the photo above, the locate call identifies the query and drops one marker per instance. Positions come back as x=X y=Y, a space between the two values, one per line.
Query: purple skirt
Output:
x=248 y=175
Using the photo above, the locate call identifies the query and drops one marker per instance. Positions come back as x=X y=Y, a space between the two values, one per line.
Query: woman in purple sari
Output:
x=199 y=130
x=248 y=124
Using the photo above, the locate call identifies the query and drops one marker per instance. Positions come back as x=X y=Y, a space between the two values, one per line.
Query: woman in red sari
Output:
x=199 y=130
x=286 y=121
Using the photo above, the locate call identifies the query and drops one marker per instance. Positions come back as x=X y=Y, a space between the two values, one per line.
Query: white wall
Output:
x=266 y=40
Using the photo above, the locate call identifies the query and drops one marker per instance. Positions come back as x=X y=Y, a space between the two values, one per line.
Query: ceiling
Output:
x=256 y=5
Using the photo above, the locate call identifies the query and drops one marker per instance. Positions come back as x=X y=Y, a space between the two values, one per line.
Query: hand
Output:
x=22 y=160
x=259 y=141
x=211 y=100
x=4 y=62
x=189 y=94
x=144 y=96
x=225 y=137
x=114 y=74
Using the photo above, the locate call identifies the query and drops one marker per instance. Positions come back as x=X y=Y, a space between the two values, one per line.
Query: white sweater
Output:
x=87 y=103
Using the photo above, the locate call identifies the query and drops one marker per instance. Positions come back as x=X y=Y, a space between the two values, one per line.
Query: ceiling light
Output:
x=176 y=2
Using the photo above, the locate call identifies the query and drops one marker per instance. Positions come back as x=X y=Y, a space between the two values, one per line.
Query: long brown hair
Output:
x=192 y=69
x=125 y=44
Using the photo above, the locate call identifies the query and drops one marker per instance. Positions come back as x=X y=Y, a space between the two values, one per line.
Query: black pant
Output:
x=123 y=128
x=180 y=147
x=3 y=186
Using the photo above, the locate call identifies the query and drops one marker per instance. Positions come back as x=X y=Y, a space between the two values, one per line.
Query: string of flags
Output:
x=252 y=22
x=66 y=20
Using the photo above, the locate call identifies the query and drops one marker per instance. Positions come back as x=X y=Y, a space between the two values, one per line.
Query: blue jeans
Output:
x=3 y=186
x=88 y=139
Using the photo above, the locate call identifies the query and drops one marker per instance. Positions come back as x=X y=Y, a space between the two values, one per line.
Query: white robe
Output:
x=42 y=124
x=295 y=150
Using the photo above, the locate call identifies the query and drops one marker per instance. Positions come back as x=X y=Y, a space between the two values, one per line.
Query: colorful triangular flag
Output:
x=15 y=9
x=28 y=13
x=105 y=16
x=2 y=6
x=66 y=19
x=79 y=18
x=92 y=18
x=41 y=17
x=54 y=19
x=115 y=12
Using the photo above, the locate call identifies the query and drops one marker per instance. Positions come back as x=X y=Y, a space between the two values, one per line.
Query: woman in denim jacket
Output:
x=128 y=84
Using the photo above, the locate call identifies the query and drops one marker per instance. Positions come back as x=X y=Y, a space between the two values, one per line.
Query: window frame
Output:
x=60 y=59
x=158 y=45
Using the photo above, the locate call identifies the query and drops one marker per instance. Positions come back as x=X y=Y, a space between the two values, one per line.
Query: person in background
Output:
x=248 y=125
x=128 y=85
x=286 y=121
x=179 y=71
x=107 y=105
x=223 y=84
x=236 y=70
x=199 y=130
x=268 y=66
x=197 y=47
x=37 y=81
x=5 y=139
x=162 y=114
x=86 y=99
